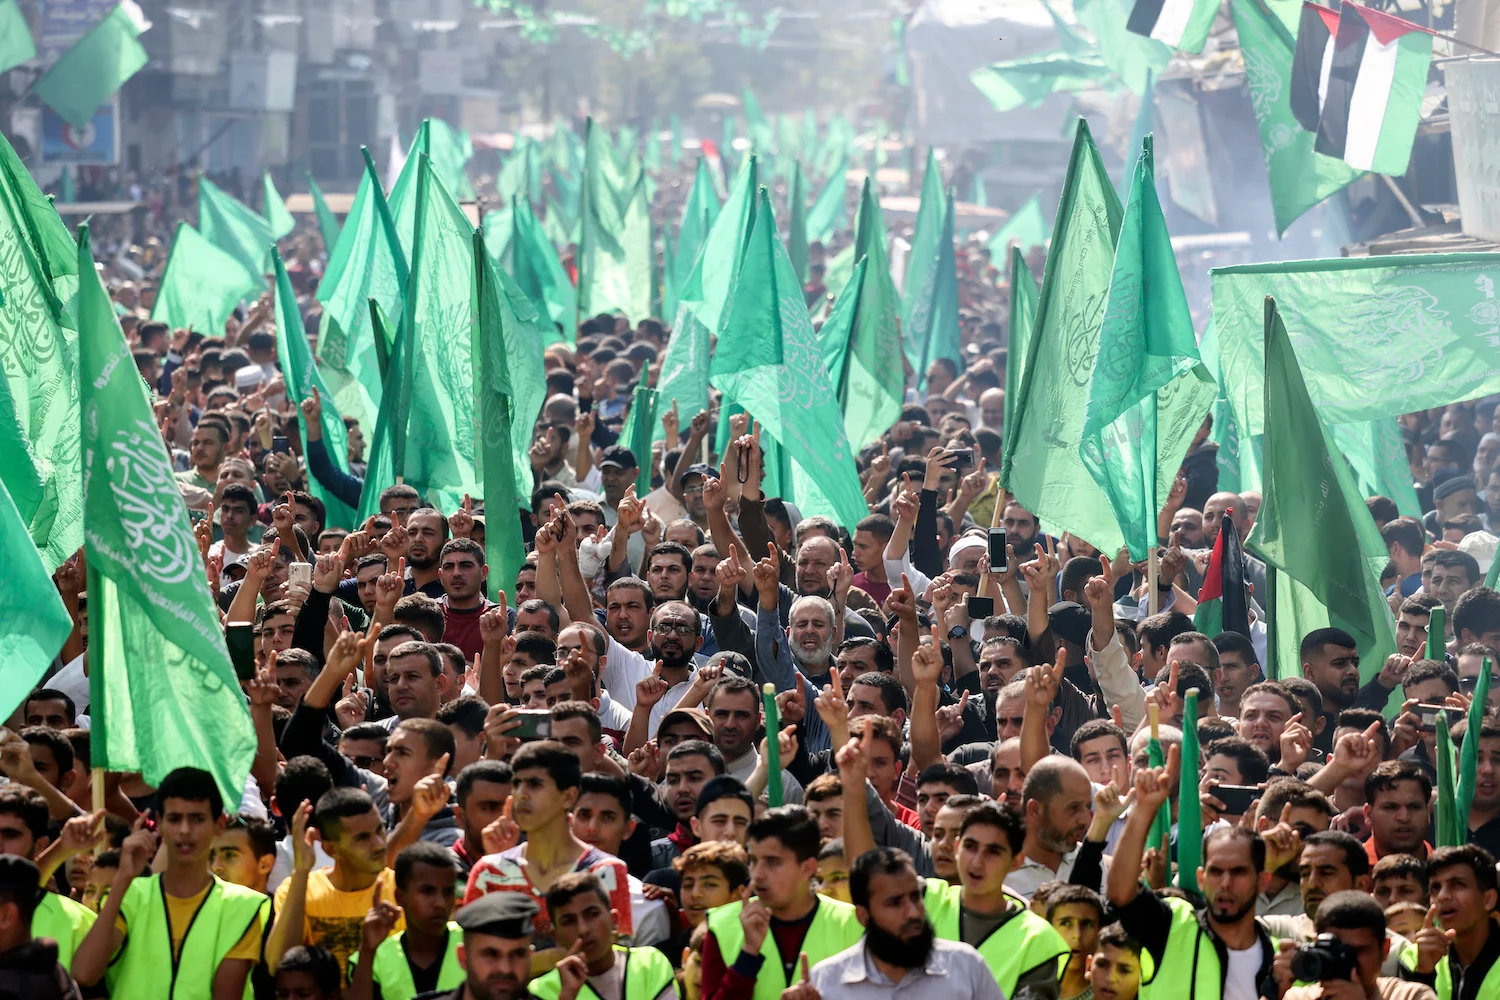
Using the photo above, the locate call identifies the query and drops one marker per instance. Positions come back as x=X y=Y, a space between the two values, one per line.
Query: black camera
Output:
x=1324 y=957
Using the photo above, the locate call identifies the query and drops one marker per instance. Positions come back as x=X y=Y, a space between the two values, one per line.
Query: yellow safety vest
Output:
x=144 y=966
x=1443 y=986
x=1190 y=960
x=647 y=973
x=392 y=972
x=1022 y=943
x=834 y=927
x=65 y=922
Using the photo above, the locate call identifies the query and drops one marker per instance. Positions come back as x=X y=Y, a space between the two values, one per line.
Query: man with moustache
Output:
x=900 y=949
x=496 y=949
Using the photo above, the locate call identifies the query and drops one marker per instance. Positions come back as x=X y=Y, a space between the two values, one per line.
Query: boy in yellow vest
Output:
x=595 y=967
x=424 y=957
x=23 y=832
x=181 y=934
x=752 y=948
x=1455 y=951
x=1021 y=948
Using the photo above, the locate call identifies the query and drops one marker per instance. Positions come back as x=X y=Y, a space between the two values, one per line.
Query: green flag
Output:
x=515 y=172
x=96 y=66
x=366 y=263
x=273 y=209
x=756 y=125
x=162 y=692
x=1023 y=296
x=1299 y=176
x=302 y=378
x=1027 y=228
x=796 y=224
x=685 y=363
x=234 y=228
x=1042 y=465
x=767 y=361
x=499 y=227
x=1134 y=58
x=16 y=45
x=614 y=253
x=402 y=200
x=328 y=223
x=33 y=622
x=636 y=432
x=826 y=217
x=1030 y=80
x=507 y=486
x=395 y=403
x=699 y=214
x=1313 y=525
x=921 y=267
x=1377 y=336
x=1149 y=392
x=451 y=149
x=1468 y=755
x=436 y=454
x=929 y=305
x=535 y=266
x=42 y=470
x=858 y=342
x=1376 y=454
x=201 y=284
x=1451 y=827
x=1160 y=836
x=1189 y=810
x=1138 y=133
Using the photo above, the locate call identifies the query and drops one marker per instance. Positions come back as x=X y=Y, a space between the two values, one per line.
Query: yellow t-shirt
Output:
x=335 y=919
x=180 y=913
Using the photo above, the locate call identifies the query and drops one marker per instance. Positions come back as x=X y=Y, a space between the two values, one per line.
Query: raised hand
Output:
x=380 y=922
x=1154 y=784
x=939 y=459
x=791 y=705
x=283 y=516
x=671 y=422
x=351 y=708
x=312 y=409
x=950 y=718
x=328 y=570
x=393 y=543
x=499 y=721
x=139 y=848
x=651 y=689
x=1043 y=682
x=730 y=573
x=1165 y=695
x=503 y=833
x=904 y=506
x=645 y=760
x=840 y=578
x=260 y=564
x=629 y=514
x=831 y=706
x=803 y=990
x=494 y=624
x=203 y=531
x=1283 y=842
x=1354 y=751
x=927 y=661
x=903 y=602
x=348 y=652
x=698 y=426
x=973 y=484
x=755 y=920
x=573 y=972
x=767 y=576
x=461 y=521
x=853 y=759
x=713 y=492
x=82 y=834
x=388 y=589
x=1296 y=742
x=1432 y=942
x=430 y=796
x=262 y=689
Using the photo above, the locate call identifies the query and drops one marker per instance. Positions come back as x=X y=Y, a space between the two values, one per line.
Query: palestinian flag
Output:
x=1310 y=62
x=1222 y=606
x=1182 y=24
x=1373 y=96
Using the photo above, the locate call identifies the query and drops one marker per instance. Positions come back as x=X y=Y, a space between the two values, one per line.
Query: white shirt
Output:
x=72 y=681
x=648 y=918
x=624 y=669
x=1239 y=980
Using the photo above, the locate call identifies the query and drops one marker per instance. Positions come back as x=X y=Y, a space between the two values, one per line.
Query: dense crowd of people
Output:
x=566 y=783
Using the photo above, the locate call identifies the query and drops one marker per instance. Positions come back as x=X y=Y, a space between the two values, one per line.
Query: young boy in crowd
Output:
x=1115 y=966
x=424 y=957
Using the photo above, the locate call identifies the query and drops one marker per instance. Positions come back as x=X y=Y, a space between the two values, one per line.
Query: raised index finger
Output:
x=838 y=682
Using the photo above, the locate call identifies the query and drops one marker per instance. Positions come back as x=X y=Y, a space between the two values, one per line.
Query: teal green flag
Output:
x=767 y=362
x=16 y=45
x=1313 y=525
x=839 y=269
x=273 y=209
x=96 y=66
x=1468 y=755
x=328 y=223
x=1376 y=454
x=1299 y=176
x=1026 y=227
x=756 y=125
x=1149 y=392
x=1377 y=336
x=1189 y=809
x=826 y=217
x=42 y=466
x=698 y=216
x=499 y=227
x=1030 y=80
x=858 y=342
x=1042 y=465
x=33 y=622
x=302 y=377
x=436 y=454
x=614 y=253
x=506 y=484
x=234 y=228
x=67 y=195
x=685 y=363
x=201 y=284
x=1142 y=128
x=402 y=200
x=922 y=265
x=162 y=691
x=1133 y=58
x=535 y=266
x=366 y=263
x=636 y=431
x=395 y=403
x=1023 y=297
x=796 y=223
x=451 y=149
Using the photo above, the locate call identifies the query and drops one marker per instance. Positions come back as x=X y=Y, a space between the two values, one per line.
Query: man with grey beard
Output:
x=802 y=654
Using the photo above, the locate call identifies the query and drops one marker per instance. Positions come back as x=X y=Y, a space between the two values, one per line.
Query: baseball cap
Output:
x=618 y=456
x=699 y=469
